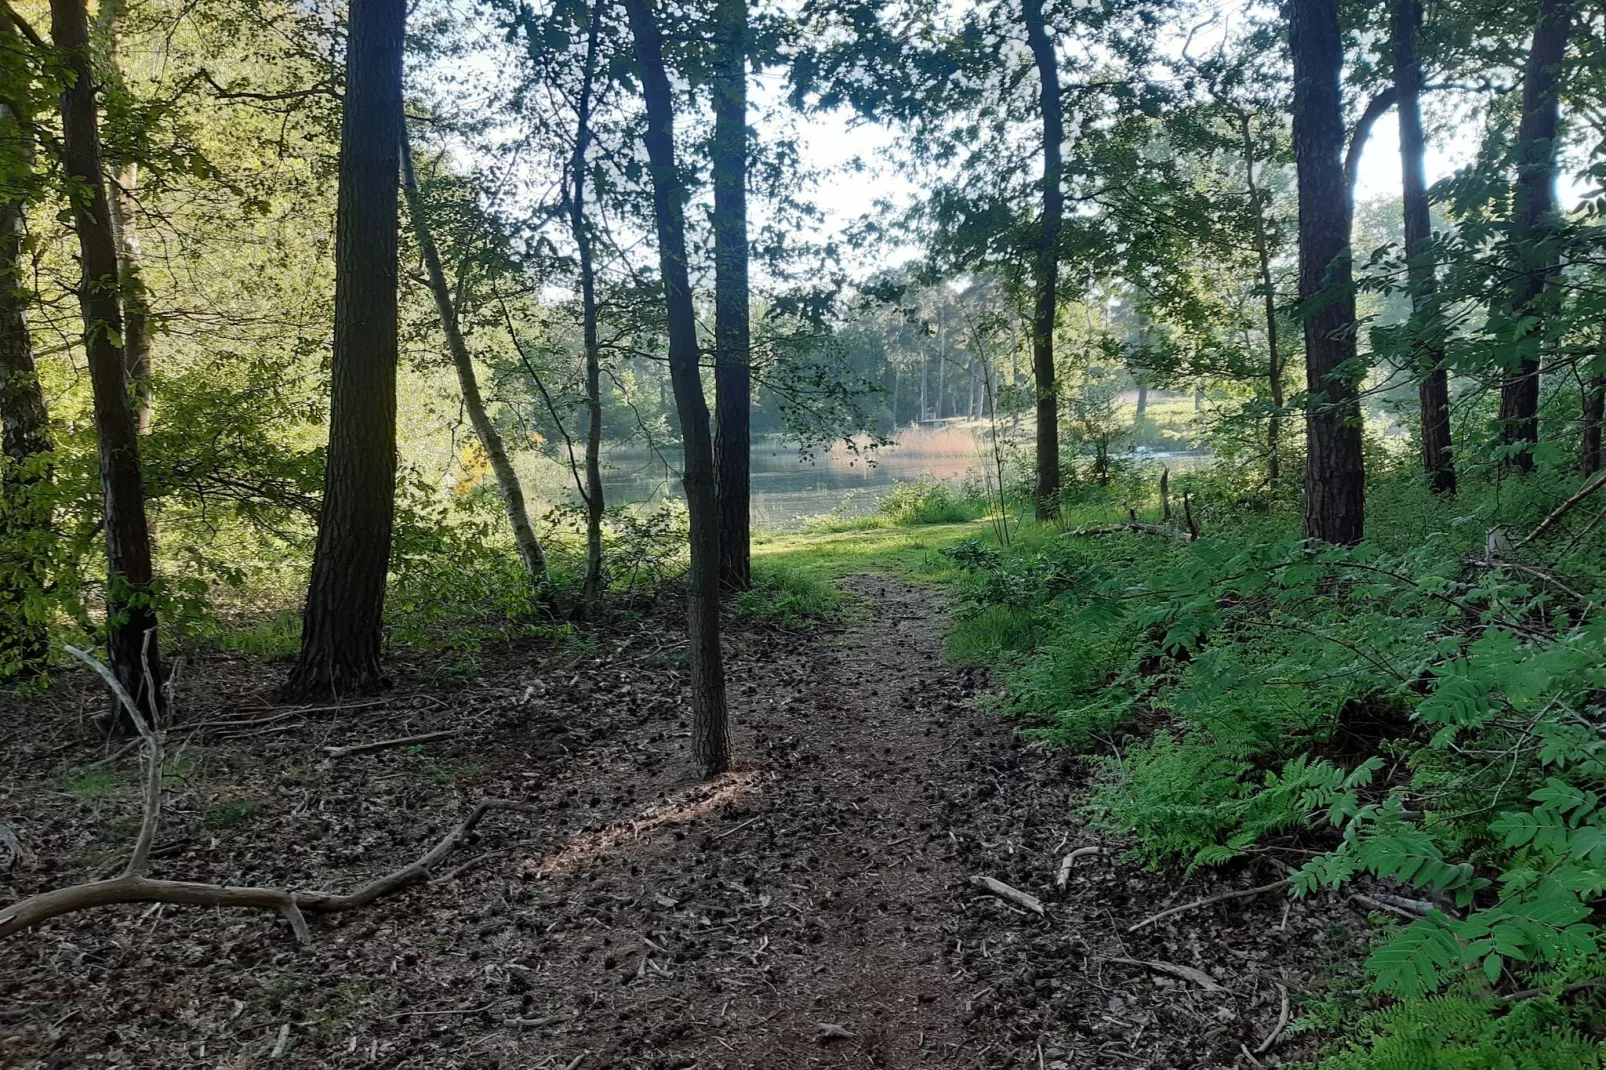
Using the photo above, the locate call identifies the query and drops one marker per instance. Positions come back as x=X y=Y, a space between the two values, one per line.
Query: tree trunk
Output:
x=1427 y=348
x=131 y=639
x=925 y=382
x=25 y=528
x=1046 y=266
x=1535 y=200
x=710 y=736
x=1268 y=289
x=341 y=628
x=1589 y=459
x=732 y=344
x=1143 y=402
x=125 y=226
x=591 y=591
x=1335 y=481
x=507 y=480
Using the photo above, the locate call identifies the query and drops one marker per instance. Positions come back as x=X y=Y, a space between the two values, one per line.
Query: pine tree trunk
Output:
x=1335 y=482
x=1427 y=348
x=732 y=344
x=591 y=591
x=341 y=627
x=131 y=639
x=25 y=528
x=125 y=227
x=1589 y=459
x=1535 y=200
x=710 y=735
x=1143 y=402
x=507 y=480
x=1046 y=263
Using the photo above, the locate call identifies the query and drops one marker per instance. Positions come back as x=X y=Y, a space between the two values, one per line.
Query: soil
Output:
x=813 y=908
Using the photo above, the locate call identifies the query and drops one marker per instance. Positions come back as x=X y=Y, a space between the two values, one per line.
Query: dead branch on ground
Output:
x=1241 y=893
x=133 y=886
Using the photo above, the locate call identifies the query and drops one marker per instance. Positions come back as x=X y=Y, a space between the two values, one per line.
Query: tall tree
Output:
x=710 y=736
x=340 y=633
x=1534 y=201
x=131 y=639
x=1427 y=346
x=125 y=226
x=1046 y=262
x=1594 y=406
x=732 y=344
x=507 y=480
x=24 y=436
x=579 y=169
x=1259 y=202
x=1334 y=473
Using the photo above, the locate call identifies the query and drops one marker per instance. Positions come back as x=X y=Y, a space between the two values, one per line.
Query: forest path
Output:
x=638 y=920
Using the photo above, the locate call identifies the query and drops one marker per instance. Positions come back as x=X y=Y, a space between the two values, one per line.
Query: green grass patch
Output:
x=101 y=783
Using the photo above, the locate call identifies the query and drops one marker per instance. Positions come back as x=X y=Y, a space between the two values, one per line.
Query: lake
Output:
x=789 y=487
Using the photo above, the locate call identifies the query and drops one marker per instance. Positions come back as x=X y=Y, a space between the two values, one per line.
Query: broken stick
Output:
x=386 y=744
x=1013 y=895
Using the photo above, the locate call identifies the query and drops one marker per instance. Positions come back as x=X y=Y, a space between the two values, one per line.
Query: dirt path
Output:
x=647 y=922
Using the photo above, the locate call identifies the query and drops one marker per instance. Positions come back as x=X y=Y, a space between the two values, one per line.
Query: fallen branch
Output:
x=133 y=886
x=1063 y=877
x=1566 y=990
x=1387 y=908
x=1013 y=895
x=1276 y=1030
x=1242 y=893
x=1187 y=973
x=387 y=744
x=1562 y=510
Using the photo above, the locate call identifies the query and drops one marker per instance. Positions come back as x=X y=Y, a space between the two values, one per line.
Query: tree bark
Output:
x=732 y=342
x=1046 y=263
x=25 y=530
x=1535 y=200
x=710 y=736
x=1589 y=458
x=1335 y=481
x=507 y=480
x=1427 y=346
x=591 y=590
x=340 y=635
x=131 y=639
x=125 y=227
x=1268 y=288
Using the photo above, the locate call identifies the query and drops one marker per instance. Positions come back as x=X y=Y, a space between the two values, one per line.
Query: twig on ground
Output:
x=535 y=1023
x=1242 y=893
x=1013 y=895
x=1276 y=1030
x=1566 y=990
x=1063 y=877
x=1187 y=973
x=1387 y=908
x=1251 y=1056
x=738 y=828
x=1419 y=907
x=387 y=744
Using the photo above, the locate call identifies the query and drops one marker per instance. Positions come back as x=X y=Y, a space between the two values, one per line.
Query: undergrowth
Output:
x=1422 y=711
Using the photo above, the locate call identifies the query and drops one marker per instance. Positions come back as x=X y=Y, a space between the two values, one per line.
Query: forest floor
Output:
x=814 y=908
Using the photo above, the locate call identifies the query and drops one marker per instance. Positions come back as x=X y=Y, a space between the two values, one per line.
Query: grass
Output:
x=812 y=560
